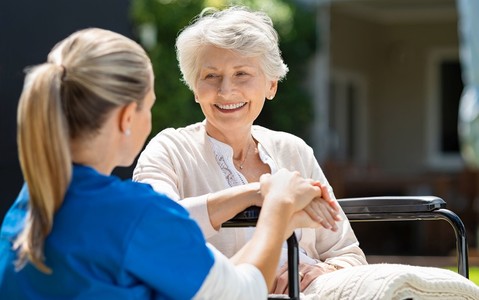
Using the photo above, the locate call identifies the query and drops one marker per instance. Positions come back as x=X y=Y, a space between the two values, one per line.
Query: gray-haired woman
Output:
x=231 y=61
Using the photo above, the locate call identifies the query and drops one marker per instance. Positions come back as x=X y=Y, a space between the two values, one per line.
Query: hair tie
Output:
x=64 y=72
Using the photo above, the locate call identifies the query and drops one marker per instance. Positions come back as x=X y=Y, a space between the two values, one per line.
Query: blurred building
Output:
x=387 y=108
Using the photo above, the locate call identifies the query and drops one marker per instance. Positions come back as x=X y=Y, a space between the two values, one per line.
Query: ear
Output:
x=273 y=87
x=127 y=115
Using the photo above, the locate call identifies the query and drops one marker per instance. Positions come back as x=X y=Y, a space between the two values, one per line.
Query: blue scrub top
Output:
x=111 y=239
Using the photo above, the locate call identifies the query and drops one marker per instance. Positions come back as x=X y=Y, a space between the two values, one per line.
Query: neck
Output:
x=241 y=141
x=240 y=161
x=95 y=152
x=237 y=139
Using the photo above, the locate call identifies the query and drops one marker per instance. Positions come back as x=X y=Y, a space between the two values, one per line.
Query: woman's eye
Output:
x=210 y=76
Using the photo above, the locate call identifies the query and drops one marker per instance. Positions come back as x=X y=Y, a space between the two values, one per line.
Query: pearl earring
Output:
x=127 y=132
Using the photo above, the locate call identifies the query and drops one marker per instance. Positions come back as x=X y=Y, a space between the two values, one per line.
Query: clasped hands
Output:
x=314 y=205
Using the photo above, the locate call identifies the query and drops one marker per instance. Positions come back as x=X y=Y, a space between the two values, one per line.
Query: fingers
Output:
x=315 y=213
x=307 y=274
x=304 y=194
x=281 y=281
x=305 y=280
x=264 y=177
x=329 y=221
x=327 y=196
x=323 y=213
x=289 y=187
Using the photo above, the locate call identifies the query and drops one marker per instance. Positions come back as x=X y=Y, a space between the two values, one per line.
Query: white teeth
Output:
x=231 y=106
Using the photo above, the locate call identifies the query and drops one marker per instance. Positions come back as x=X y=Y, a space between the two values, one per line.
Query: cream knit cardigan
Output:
x=181 y=164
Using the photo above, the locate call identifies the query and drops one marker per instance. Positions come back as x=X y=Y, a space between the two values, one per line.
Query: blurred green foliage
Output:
x=157 y=23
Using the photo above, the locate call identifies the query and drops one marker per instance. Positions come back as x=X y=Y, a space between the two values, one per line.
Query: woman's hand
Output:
x=307 y=274
x=324 y=209
x=290 y=188
x=321 y=210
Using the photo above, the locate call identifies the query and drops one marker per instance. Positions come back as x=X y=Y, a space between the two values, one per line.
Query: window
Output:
x=445 y=88
x=348 y=118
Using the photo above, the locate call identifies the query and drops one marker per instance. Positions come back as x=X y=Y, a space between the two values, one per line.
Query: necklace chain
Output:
x=245 y=157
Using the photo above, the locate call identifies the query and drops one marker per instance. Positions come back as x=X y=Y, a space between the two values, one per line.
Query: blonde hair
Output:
x=86 y=75
x=249 y=33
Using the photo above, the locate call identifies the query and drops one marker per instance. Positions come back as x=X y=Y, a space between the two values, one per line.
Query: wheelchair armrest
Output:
x=359 y=205
x=247 y=217
x=391 y=204
x=407 y=208
x=386 y=208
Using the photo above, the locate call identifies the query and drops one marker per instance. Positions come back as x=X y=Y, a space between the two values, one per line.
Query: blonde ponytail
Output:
x=88 y=74
x=44 y=154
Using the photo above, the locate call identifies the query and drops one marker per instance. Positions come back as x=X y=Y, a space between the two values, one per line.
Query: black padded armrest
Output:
x=251 y=213
x=391 y=204
x=247 y=217
x=360 y=205
x=381 y=208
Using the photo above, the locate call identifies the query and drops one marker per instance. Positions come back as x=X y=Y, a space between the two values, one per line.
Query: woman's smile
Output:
x=227 y=108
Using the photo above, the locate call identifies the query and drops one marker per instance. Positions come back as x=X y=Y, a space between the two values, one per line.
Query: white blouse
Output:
x=224 y=157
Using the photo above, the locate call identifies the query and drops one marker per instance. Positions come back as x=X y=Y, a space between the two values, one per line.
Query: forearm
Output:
x=227 y=281
x=264 y=249
x=224 y=205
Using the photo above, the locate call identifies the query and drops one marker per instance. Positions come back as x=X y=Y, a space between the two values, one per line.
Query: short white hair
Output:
x=248 y=33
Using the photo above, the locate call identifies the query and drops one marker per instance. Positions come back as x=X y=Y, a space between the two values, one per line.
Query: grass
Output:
x=473 y=273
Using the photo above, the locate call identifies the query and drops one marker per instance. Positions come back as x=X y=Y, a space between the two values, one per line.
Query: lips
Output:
x=230 y=106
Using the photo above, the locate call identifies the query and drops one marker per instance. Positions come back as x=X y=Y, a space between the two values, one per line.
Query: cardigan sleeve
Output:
x=339 y=248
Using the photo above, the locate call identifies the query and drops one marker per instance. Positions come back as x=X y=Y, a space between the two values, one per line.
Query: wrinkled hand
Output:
x=289 y=186
x=324 y=209
x=307 y=274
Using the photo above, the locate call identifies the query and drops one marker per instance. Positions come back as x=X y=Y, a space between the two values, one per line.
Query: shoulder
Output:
x=289 y=151
x=193 y=131
x=274 y=138
x=126 y=205
x=141 y=196
x=116 y=196
x=191 y=136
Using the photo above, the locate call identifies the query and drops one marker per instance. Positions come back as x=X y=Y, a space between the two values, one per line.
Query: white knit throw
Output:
x=391 y=281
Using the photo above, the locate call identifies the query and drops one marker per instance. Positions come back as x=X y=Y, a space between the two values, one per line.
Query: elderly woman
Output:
x=231 y=61
x=77 y=232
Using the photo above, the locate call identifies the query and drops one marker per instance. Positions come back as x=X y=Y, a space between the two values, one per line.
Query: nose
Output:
x=225 y=88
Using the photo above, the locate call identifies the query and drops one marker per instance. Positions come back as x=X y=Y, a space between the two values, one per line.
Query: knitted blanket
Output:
x=391 y=281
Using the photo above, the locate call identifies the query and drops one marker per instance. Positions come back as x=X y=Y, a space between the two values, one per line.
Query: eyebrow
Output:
x=235 y=67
